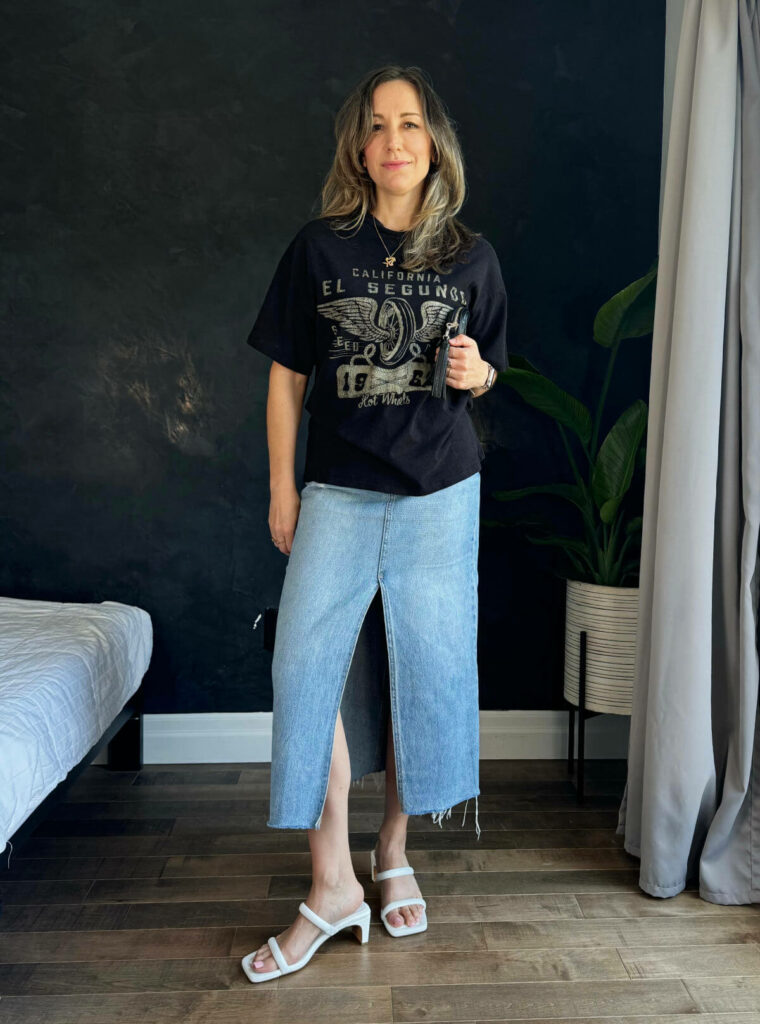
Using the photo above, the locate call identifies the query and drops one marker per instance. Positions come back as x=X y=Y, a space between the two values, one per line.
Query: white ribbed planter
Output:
x=609 y=615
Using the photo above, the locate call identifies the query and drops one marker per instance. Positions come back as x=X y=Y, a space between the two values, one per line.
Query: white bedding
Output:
x=66 y=670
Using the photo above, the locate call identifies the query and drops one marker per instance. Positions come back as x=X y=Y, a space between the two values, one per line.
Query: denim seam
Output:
x=398 y=749
x=392 y=684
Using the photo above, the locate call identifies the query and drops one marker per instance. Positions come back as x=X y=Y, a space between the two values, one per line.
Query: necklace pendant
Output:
x=389 y=261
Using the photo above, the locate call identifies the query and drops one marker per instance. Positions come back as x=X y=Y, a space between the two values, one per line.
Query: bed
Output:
x=68 y=671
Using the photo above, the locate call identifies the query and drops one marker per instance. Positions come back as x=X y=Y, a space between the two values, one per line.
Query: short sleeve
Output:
x=488 y=312
x=285 y=328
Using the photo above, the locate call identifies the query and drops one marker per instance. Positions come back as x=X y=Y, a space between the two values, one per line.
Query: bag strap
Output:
x=453 y=327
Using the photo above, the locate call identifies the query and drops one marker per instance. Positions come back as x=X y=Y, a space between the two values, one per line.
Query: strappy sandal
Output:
x=358 y=922
x=405 y=929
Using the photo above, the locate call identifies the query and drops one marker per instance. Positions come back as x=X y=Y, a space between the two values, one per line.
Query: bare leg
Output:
x=391 y=847
x=335 y=890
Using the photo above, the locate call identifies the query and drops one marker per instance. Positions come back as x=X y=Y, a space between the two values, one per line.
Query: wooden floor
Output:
x=136 y=899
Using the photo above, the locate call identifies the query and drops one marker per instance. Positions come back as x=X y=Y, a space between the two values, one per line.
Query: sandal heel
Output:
x=361 y=930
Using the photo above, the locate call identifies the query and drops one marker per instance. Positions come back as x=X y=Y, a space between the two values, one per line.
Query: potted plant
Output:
x=603 y=556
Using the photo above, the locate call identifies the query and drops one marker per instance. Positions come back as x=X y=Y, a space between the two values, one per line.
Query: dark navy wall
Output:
x=157 y=159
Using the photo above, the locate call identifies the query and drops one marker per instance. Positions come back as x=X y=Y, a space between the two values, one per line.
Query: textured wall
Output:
x=157 y=159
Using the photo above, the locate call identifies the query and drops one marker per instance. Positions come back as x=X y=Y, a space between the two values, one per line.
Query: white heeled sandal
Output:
x=358 y=922
x=405 y=929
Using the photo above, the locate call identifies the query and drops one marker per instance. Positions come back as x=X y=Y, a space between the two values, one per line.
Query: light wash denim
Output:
x=410 y=561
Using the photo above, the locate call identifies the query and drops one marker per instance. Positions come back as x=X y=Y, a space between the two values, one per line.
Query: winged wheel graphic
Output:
x=393 y=329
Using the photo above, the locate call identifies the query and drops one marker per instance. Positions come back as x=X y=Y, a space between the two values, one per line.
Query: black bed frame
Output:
x=124 y=737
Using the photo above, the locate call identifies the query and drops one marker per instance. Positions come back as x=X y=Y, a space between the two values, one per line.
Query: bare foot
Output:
x=393 y=856
x=331 y=903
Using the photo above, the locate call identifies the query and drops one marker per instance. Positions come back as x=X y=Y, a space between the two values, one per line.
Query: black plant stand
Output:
x=583 y=714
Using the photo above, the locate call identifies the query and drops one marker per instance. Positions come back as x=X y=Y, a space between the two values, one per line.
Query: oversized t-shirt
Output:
x=369 y=332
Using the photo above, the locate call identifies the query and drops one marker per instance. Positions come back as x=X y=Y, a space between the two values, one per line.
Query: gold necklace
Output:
x=390 y=259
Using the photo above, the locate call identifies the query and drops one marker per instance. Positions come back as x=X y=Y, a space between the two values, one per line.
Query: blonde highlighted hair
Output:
x=436 y=238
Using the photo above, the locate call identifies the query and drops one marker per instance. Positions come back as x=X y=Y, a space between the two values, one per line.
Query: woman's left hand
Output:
x=465 y=367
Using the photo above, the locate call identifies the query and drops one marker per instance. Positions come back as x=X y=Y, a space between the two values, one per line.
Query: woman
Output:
x=388 y=518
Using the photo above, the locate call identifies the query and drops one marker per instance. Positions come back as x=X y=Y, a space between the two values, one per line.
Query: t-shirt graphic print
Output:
x=370 y=332
x=388 y=346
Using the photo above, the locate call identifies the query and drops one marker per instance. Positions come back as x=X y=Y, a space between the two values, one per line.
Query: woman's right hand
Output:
x=284 y=509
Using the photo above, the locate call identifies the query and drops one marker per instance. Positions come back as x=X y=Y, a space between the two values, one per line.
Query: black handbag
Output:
x=456 y=326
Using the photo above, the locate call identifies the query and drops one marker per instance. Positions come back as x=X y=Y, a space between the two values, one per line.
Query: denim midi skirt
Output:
x=378 y=616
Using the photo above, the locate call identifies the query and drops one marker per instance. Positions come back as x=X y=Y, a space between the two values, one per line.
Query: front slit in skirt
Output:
x=363 y=562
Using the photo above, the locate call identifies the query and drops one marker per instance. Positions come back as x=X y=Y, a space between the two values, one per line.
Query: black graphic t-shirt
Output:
x=370 y=331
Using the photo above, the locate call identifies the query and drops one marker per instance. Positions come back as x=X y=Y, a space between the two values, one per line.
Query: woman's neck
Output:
x=397 y=216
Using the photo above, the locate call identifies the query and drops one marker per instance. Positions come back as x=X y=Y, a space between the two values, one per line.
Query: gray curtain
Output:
x=691 y=808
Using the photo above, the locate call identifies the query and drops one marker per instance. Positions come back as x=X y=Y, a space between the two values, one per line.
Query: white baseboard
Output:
x=220 y=737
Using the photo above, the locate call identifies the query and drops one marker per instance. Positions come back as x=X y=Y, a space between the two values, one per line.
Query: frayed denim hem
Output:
x=378 y=778
x=438 y=816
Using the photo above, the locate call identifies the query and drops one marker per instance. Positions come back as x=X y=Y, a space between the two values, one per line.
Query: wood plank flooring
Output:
x=136 y=898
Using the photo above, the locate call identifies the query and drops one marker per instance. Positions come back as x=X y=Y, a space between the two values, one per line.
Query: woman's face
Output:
x=400 y=148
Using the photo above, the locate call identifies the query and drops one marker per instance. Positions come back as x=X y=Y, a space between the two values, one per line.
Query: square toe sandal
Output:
x=358 y=922
x=404 y=929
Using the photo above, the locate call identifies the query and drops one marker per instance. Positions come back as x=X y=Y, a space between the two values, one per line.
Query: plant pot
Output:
x=609 y=616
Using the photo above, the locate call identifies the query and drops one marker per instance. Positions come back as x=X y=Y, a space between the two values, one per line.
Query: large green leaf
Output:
x=493 y=523
x=570 y=492
x=531 y=520
x=575 y=550
x=630 y=313
x=633 y=567
x=545 y=396
x=518 y=362
x=569 y=543
x=615 y=462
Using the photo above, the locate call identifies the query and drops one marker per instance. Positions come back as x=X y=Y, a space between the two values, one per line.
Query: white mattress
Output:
x=66 y=670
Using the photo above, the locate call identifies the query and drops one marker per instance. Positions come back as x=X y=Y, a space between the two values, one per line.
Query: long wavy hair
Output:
x=436 y=238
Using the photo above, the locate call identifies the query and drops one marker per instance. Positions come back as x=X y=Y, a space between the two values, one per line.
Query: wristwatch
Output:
x=490 y=378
